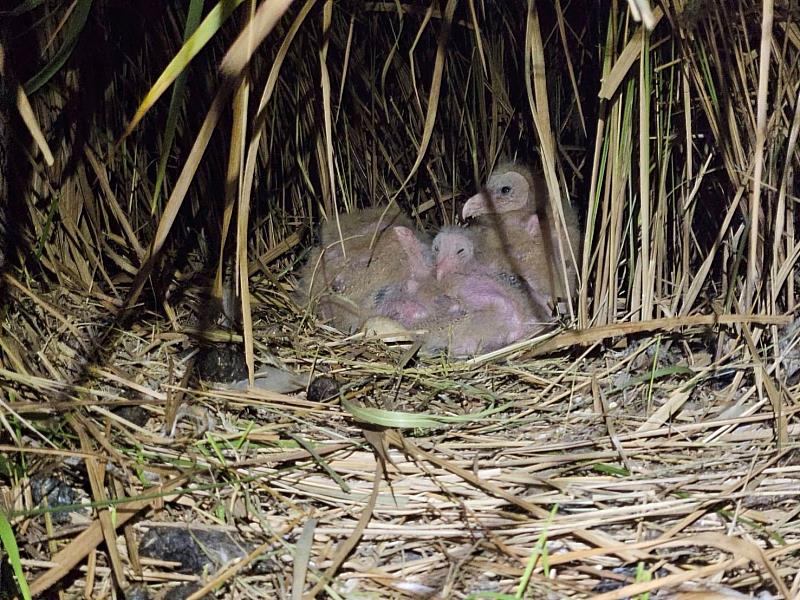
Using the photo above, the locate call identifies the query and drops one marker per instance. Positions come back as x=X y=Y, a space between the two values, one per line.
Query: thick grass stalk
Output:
x=755 y=250
x=646 y=268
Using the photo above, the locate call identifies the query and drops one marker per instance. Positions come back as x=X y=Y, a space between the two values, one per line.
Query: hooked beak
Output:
x=477 y=205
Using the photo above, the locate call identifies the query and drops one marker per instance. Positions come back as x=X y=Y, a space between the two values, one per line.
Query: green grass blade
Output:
x=72 y=32
x=210 y=25
x=175 y=103
x=9 y=542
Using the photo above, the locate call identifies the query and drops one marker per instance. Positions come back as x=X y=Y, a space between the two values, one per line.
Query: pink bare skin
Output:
x=454 y=250
x=498 y=313
x=418 y=298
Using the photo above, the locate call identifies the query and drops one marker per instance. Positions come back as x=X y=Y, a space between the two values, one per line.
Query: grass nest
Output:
x=646 y=462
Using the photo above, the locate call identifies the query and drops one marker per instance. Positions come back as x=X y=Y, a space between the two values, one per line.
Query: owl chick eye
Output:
x=506 y=189
x=461 y=251
x=435 y=248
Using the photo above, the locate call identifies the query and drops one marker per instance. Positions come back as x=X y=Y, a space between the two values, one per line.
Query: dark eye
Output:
x=461 y=251
x=506 y=189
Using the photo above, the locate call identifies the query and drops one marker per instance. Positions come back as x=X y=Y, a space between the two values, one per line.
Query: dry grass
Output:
x=654 y=455
x=653 y=450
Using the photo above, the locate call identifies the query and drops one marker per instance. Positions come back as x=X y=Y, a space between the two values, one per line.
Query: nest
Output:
x=648 y=465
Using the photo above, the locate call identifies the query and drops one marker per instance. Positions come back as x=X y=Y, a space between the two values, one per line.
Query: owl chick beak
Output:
x=477 y=205
x=445 y=265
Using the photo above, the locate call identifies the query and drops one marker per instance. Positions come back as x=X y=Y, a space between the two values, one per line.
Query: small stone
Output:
x=222 y=364
x=322 y=388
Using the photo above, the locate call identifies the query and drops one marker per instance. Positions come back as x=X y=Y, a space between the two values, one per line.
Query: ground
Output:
x=653 y=461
